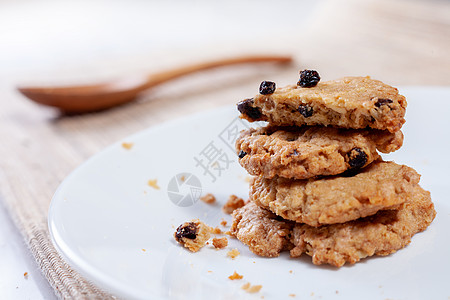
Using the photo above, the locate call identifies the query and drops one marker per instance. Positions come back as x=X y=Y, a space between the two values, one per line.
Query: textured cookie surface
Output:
x=304 y=152
x=262 y=231
x=381 y=234
x=193 y=235
x=349 y=102
x=329 y=200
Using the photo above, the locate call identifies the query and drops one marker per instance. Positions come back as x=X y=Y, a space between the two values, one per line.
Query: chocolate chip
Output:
x=357 y=158
x=186 y=230
x=245 y=107
x=306 y=110
x=267 y=87
x=382 y=101
x=242 y=154
x=308 y=78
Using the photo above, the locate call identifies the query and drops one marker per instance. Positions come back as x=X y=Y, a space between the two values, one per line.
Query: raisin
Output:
x=186 y=230
x=350 y=173
x=267 y=87
x=306 y=110
x=308 y=78
x=245 y=107
x=382 y=101
x=242 y=154
x=357 y=158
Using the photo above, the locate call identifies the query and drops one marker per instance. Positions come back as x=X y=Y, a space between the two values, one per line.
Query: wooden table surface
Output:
x=399 y=42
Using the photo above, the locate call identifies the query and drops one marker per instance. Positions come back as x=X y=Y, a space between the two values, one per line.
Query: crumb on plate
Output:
x=216 y=230
x=234 y=202
x=127 y=146
x=251 y=288
x=193 y=235
x=220 y=243
x=223 y=222
x=235 y=276
x=153 y=183
x=233 y=253
x=208 y=198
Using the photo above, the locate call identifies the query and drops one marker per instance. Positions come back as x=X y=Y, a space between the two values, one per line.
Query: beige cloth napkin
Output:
x=399 y=42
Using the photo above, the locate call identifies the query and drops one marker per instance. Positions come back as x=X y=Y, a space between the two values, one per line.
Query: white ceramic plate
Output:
x=115 y=229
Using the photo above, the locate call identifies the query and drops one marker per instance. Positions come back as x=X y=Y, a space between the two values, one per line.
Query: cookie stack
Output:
x=320 y=186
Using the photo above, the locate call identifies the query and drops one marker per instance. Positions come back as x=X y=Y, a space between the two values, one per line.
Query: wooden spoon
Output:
x=89 y=98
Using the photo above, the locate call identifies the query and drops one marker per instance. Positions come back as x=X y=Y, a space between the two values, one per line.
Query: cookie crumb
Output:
x=235 y=276
x=216 y=230
x=223 y=222
x=193 y=235
x=153 y=183
x=291 y=295
x=245 y=286
x=290 y=271
x=254 y=288
x=233 y=253
x=25 y=275
x=208 y=198
x=209 y=271
x=251 y=288
x=183 y=178
x=337 y=292
x=127 y=146
x=234 y=202
x=220 y=243
x=143 y=250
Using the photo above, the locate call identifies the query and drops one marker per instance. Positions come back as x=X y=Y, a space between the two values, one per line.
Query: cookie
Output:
x=381 y=234
x=261 y=230
x=337 y=199
x=350 y=102
x=304 y=152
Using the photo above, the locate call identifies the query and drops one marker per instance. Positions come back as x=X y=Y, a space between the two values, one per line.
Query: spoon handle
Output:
x=89 y=98
x=160 y=77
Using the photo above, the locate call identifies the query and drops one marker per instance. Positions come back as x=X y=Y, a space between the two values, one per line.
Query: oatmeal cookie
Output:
x=304 y=152
x=329 y=200
x=381 y=234
x=349 y=102
x=261 y=230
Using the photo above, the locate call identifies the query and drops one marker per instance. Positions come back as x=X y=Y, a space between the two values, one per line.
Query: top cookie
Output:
x=349 y=102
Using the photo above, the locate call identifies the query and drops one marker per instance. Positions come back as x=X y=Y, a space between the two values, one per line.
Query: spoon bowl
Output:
x=90 y=98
